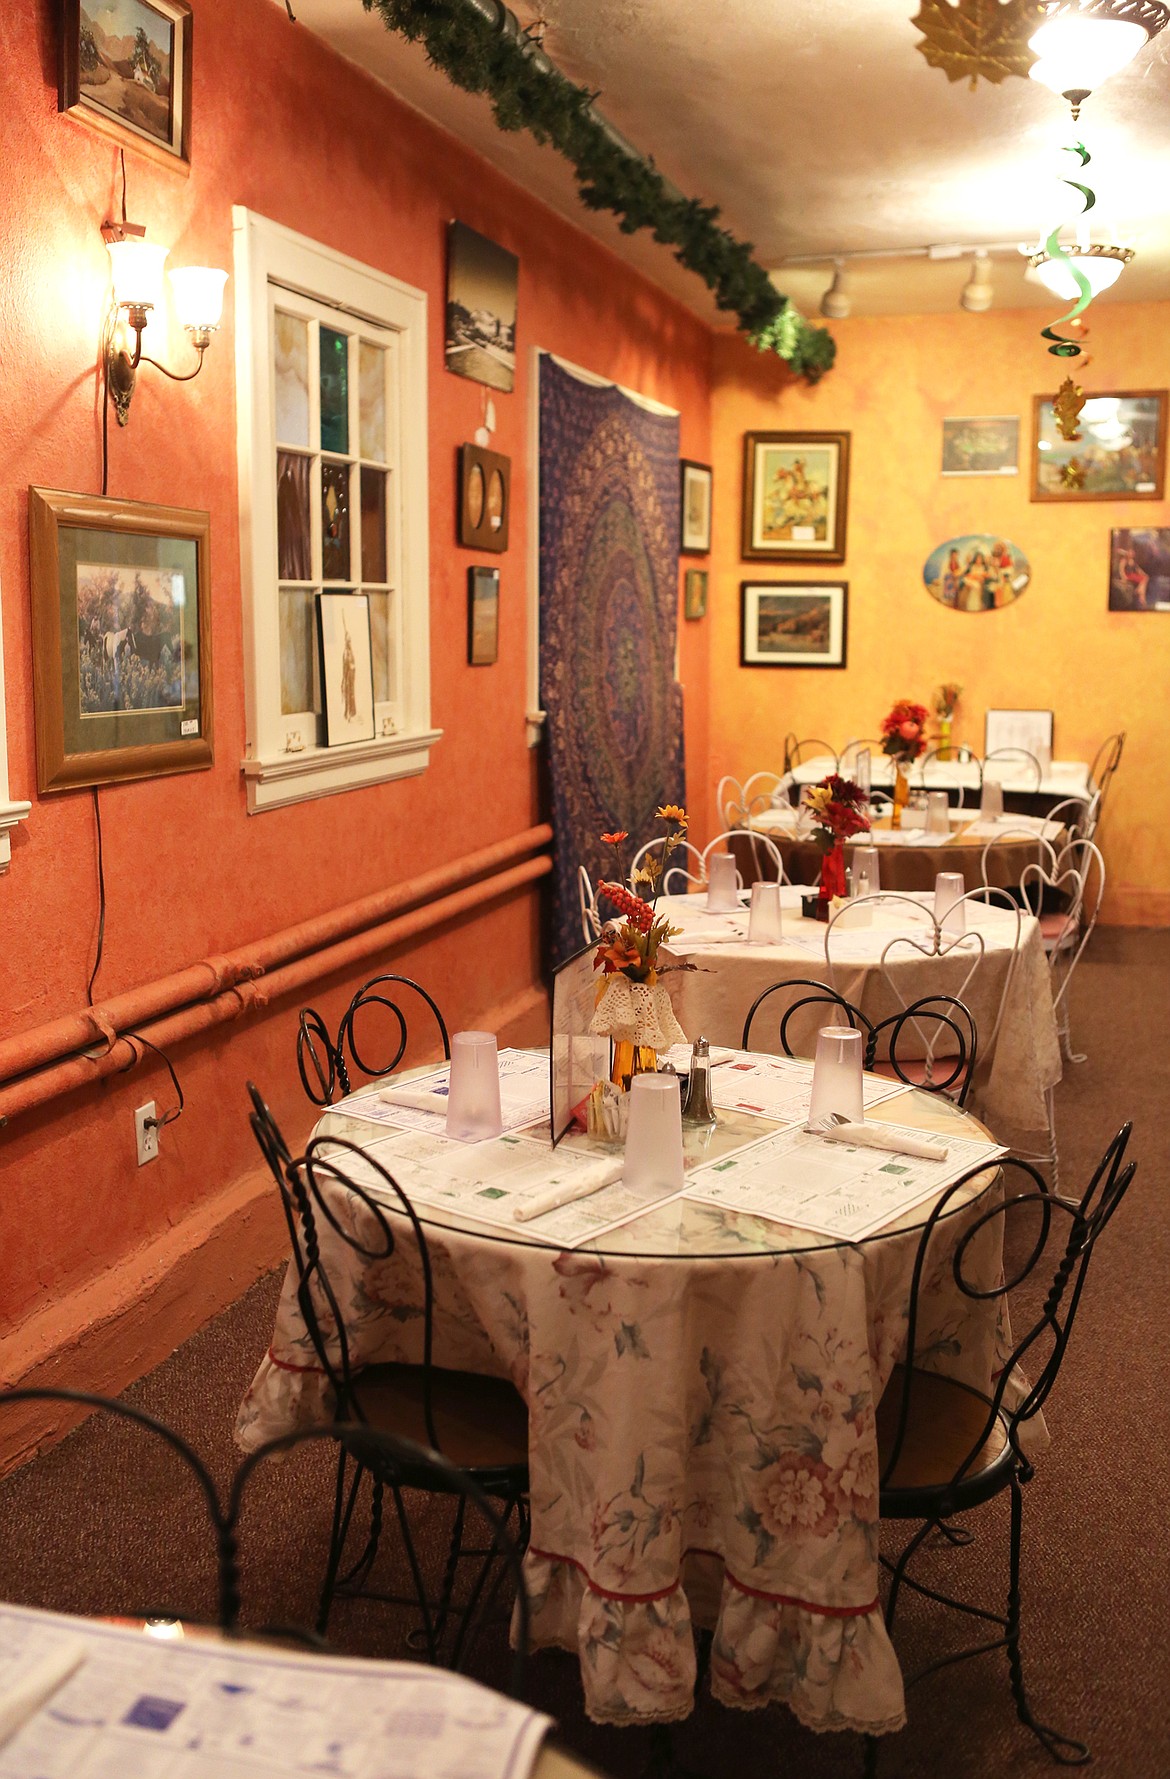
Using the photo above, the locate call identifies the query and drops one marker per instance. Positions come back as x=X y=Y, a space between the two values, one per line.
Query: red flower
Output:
x=615 y=839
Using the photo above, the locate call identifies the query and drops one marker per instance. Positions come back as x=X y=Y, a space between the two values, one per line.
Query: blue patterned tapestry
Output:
x=609 y=519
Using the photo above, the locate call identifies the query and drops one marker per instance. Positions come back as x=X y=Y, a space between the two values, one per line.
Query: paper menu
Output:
x=206 y=1709
x=798 y=1179
x=523 y=1097
x=780 y=1087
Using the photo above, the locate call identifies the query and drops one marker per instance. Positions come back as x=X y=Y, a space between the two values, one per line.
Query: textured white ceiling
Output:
x=818 y=129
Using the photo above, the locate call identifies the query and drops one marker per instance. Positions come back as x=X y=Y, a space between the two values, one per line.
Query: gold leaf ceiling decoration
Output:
x=977 y=38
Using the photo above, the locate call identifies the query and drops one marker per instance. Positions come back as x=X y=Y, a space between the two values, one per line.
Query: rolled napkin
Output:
x=567 y=1193
x=416 y=1099
x=879 y=1136
x=37 y=1684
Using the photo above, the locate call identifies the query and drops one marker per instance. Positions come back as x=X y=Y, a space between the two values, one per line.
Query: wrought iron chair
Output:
x=445 y=1644
x=757 y=857
x=321 y=1059
x=795 y=751
x=944 y=1447
x=957 y=754
x=1105 y=762
x=685 y=859
x=1069 y=896
x=587 y=902
x=1012 y=762
x=477 y=1424
x=847 y=761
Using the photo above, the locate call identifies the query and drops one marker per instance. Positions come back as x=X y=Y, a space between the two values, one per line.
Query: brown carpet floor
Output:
x=102 y=1524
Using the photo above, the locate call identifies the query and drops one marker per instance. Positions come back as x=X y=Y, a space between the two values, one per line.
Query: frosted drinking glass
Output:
x=654 y=1150
x=863 y=771
x=722 y=884
x=836 y=1082
x=473 y=1099
x=991 y=800
x=949 y=889
x=937 y=818
x=764 y=923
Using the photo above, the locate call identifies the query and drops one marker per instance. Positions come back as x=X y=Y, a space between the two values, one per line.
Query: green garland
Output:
x=480 y=58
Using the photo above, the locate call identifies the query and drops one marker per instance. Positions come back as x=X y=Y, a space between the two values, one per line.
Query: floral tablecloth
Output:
x=702 y=1440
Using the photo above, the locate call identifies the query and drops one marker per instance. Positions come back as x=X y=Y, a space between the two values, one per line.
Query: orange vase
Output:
x=901 y=796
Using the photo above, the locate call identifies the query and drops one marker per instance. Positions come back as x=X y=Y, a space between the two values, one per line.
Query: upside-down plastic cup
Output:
x=938 y=820
x=949 y=890
x=764 y=922
x=473 y=1099
x=867 y=875
x=722 y=884
x=863 y=770
x=836 y=1082
x=654 y=1148
x=991 y=800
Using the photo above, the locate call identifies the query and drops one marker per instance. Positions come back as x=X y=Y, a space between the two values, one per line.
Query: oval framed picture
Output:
x=485 y=479
x=978 y=572
x=475 y=496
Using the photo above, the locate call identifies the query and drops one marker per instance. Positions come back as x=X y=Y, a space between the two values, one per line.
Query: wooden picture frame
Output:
x=1139 y=569
x=793 y=623
x=345 y=659
x=980 y=445
x=483 y=617
x=485 y=498
x=695 y=593
x=1132 y=468
x=142 y=101
x=695 y=489
x=795 y=496
x=121 y=633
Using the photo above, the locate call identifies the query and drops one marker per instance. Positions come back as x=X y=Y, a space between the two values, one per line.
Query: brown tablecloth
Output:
x=902 y=867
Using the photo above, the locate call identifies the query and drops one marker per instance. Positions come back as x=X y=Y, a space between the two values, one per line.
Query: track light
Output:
x=976 y=295
x=836 y=302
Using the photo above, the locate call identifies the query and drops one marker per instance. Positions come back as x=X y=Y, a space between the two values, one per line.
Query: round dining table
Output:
x=701 y=1388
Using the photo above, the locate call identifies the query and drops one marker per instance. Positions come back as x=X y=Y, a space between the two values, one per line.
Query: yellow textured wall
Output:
x=1057 y=646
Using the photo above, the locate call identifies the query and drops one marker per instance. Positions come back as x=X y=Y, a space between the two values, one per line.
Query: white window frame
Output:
x=282 y=765
x=11 y=811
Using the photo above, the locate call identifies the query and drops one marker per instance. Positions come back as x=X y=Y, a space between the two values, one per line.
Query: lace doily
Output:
x=634 y=1013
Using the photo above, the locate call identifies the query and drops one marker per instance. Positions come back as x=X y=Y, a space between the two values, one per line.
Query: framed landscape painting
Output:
x=793 y=624
x=1120 y=454
x=125 y=68
x=981 y=445
x=121 y=613
x=482 y=280
x=795 y=493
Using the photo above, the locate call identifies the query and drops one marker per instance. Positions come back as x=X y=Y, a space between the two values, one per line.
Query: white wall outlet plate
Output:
x=146 y=1133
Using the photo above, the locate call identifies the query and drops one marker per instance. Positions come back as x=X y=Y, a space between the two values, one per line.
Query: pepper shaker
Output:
x=697 y=1107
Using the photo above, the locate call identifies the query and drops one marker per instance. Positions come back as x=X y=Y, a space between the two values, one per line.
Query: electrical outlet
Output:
x=146 y=1133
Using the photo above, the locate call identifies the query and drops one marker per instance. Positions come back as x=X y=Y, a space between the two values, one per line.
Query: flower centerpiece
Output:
x=903 y=739
x=838 y=808
x=633 y=1007
x=945 y=700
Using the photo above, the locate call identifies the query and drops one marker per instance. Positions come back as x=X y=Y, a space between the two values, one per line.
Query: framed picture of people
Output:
x=795 y=496
x=347 y=675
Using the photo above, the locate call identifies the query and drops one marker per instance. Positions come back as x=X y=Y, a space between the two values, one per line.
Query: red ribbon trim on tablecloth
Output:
x=286 y=1365
x=553 y=1556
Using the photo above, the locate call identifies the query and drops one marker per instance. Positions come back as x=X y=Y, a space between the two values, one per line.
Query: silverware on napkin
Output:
x=837 y=1129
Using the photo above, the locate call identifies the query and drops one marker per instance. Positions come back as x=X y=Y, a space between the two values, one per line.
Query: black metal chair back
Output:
x=820 y=995
x=947 y=1017
x=321 y=1059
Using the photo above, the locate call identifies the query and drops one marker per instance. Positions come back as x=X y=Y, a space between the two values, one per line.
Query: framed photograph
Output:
x=1139 y=570
x=695 y=593
x=481 y=308
x=121 y=629
x=125 y=68
x=981 y=445
x=346 y=665
x=793 y=624
x=795 y=495
x=483 y=616
x=485 y=498
x=977 y=572
x=1029 y=729
x=1120 y=455
x=695 y=505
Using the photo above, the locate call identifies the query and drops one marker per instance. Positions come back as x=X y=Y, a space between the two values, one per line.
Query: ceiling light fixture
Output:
x=1101 y=263
x=977 y=294
x=137 y=267
x=1082 y=42
x=837 y=302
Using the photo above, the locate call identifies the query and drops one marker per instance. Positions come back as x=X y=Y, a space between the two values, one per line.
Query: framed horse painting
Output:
x=121 y=613
x=795 y=496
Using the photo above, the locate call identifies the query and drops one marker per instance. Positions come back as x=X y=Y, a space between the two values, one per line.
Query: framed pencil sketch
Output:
x=695 y=593
x=346 y=662
x=485 y=498
x=793 y=623
x=483 y=616
x=121 y=628
x=1029 y=730
x=695 y=508
x=1120 y=454
x=795 y=496
x=125 y=68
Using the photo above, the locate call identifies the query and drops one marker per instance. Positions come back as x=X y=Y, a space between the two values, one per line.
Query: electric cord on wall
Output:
x=175 y=1111
x=101 y=932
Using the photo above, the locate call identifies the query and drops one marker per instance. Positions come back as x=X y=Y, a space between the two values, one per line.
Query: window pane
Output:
x=373 y=525
x=372 y=400
x=298 y=649
x=335 y=521
x=380 y=640
x=292 y=519
x=291 y=354
x=334 y=390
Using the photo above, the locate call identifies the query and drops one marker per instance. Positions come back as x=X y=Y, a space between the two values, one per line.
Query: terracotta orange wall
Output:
x=1058 y=646
x=283 y=126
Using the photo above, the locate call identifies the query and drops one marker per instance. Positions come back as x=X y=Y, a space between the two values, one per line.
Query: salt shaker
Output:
x=697 y=1107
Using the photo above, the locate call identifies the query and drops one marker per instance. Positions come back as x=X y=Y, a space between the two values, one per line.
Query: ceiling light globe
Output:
x=1102 y=268
x=1077 y=52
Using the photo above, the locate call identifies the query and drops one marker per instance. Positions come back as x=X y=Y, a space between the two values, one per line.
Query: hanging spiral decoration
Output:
x=1067 y=345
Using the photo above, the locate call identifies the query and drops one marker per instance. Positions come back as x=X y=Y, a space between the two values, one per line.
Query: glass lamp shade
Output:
x=138 y=271
x=1078 y=52
x=1102 y=269
x=198 y=294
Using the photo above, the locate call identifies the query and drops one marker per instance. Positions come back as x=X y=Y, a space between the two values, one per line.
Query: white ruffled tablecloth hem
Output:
x=282 y=1398
x=835 y=1670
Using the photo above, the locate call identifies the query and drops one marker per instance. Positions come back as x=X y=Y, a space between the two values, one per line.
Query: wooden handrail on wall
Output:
x=58 y=1058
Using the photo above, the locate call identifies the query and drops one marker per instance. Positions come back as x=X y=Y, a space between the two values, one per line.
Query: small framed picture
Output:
x=1120 y=454
x=695 y=593
x=121 y=634
x=793 y=624
x=485 y=498
x=482 y=281
x=1139 y=570
x=125 y=67
x=795 y=495
x=981 y=445
x=1030 y=730
x=483 y=616
x=695 y=504
x=347 y=676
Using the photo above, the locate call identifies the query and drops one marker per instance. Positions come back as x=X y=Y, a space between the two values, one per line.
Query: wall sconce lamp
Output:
x=137 y=266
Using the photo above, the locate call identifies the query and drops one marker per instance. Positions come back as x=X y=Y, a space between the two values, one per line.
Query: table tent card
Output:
x=579 y=1057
